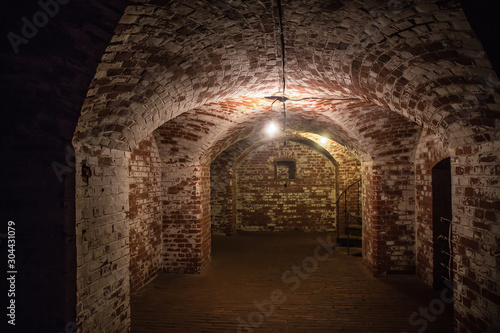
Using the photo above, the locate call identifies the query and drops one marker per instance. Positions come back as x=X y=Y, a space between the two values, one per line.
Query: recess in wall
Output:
x=86 y=172
x=284 y=170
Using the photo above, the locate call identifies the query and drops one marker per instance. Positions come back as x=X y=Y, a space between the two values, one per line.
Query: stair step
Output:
x=355 y=230
x=351 y=236
x=354 y=241
x=353 y=251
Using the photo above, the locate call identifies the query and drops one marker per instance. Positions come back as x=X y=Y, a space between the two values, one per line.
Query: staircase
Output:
x=349 y=222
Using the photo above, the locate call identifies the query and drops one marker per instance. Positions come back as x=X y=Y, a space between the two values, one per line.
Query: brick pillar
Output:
x=186 y=218
x=388 y=217
x=102 y=232
x=223 y=200
x=145 y=214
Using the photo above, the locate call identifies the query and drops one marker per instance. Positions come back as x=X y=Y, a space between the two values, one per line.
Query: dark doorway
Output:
x=441 y=211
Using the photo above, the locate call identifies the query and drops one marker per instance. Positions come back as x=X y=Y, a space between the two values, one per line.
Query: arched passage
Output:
x=165 y=77
x=237 y=165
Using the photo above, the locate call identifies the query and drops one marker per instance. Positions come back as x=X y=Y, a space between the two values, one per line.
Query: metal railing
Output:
x=346 y=214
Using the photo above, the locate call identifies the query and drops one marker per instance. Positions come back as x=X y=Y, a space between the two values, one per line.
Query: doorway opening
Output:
x=441 y=227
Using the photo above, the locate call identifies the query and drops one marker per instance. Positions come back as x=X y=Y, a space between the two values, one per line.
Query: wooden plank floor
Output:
x=246 y=272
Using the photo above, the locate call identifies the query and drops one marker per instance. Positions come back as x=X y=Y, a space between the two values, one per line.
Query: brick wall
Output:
x=348 y=163
x=476 y=240
x=388 y=216
x=185 y=194
x=263 y=203
x=102 y=232
x=43 y=87
x=349 y=171
x=422 y=61
x=186 y=217
x=222 y=195
x=223 y=203
x=145 y=213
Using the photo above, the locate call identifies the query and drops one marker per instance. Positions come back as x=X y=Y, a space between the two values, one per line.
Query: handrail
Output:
x=341 y=194
x=347 y=214
x=357 y=218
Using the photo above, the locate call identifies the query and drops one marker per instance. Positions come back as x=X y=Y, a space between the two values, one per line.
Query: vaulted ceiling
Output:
x=419 y=60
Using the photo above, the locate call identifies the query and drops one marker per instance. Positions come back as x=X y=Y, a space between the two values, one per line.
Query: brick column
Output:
x=102 y=232
x=388 y=217
x=145 y=214
x=222 y=192
x=186 y=217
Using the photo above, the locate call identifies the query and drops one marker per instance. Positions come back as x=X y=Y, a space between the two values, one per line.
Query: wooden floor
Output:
x=250 y=270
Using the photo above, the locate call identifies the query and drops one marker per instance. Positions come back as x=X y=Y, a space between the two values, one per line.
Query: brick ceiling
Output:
x=198 y=71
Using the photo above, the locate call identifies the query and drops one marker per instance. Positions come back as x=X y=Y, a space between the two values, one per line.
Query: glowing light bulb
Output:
x=323 y=140
x=272 y=129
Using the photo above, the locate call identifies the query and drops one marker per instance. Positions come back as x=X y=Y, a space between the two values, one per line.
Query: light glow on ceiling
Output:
x=272 y=129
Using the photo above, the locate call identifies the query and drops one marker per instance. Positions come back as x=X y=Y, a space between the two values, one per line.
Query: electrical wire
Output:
x=283 y=60
x=283 y=98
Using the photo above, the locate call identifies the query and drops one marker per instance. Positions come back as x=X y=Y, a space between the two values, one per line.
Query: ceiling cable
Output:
x=282 y=40
x=283 y=59
x=283 y=97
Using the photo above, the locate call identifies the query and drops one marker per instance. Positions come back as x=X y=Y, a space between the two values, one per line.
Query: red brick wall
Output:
x=475 y=232
x=222 y=193
x=348 y=172
x=429 y=152
x=476 y=240
x=223 y=211
x=102 y=230
x=186 y=217
x=185 y=196
x=388 y=217
x=266 y=204
x=145 y=213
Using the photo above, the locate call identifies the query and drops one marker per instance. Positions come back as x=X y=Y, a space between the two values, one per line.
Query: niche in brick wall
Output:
x=306 y=203
x=284 y=170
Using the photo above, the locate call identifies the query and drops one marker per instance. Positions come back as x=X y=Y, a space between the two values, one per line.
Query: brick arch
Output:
x=421 y=60
x=303 y=150
x=148 y=78
x=223 y=182
x=299 y=137
x=202 y=133
x=199 y=135
x=157 y=68
x=168 y=58
x=431 y=68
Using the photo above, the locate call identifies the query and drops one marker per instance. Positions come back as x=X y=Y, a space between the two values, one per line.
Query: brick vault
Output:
x=125 y=117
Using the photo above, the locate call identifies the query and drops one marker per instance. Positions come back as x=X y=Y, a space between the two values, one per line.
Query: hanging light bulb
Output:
x=323 y=140
x=272 y=128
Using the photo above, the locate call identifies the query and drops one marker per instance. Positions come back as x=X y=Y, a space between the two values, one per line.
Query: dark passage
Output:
x=441 y=211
